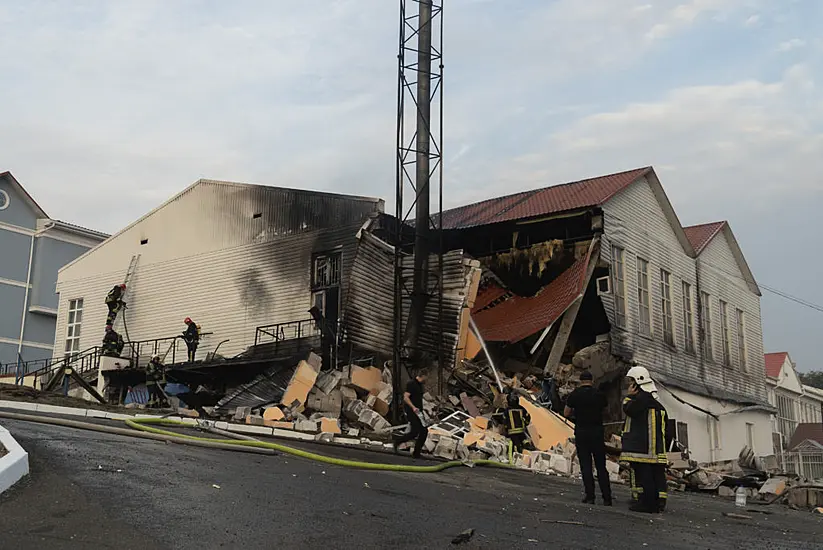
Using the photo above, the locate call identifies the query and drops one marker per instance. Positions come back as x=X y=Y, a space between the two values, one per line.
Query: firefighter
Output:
x=644 y=442
x=115 y=303
x=513 y=418
x=191 y=336
x=112 y=343
x=155 y=376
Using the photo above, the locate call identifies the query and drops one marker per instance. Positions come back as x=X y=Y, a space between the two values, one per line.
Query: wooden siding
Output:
x=635 y=222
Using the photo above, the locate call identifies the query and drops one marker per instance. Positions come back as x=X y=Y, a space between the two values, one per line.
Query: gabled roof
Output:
x=23 y=193
x=701 y=235
x=540 y=202
x=519 y=317
x=810 y=431
x=774 y=363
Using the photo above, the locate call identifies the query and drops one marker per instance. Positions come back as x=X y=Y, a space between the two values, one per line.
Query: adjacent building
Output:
x=234 y=257
x=34 y=246
x=607 y=260
x=795 y=403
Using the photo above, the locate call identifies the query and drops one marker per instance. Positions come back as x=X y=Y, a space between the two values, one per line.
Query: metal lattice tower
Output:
x=419 y=167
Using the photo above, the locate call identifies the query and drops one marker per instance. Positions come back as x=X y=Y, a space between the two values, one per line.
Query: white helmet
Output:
x=642 y=378
x=155 y=358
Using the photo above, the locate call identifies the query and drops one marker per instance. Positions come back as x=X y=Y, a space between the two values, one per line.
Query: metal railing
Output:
x=165 y=347
x=81 y=362
x=282 y=332
x=806 y=464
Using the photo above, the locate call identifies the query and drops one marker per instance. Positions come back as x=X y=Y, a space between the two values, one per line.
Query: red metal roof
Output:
x=806 y=431
x=540 y=202
x=702 y=235
x=518 y=317
x=774 y=362
x=487 y=295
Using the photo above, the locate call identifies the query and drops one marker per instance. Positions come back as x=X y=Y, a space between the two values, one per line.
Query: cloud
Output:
x=790 y=45
x=753 y=21
x=744 y=134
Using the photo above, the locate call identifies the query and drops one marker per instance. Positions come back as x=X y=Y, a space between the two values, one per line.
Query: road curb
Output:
x=14 y=466
x=339 y=441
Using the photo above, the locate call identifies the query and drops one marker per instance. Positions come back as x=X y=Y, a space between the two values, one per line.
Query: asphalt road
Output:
x=94 y=491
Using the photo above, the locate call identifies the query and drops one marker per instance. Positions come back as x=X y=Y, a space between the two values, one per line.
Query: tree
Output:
x=813 y=378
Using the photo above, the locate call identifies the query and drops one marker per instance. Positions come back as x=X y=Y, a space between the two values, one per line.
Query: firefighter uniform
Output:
x=514 y=418
x=155 y=375
x=192 y=338
x=644 y=448
x=113 y=343
x=115 y=303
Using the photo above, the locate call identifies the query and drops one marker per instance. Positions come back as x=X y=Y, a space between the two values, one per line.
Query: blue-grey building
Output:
x=32 y=248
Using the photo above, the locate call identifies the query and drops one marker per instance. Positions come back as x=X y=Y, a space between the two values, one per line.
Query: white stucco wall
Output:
x=732 y=426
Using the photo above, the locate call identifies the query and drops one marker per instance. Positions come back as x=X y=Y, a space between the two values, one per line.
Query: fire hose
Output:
x=141 y=428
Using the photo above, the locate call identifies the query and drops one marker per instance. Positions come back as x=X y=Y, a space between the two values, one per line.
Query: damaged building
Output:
x=245 y=262
x=600 y=274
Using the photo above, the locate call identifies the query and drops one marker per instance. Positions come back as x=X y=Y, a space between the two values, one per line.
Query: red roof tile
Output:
x=806 y=431
x=541 y=202
x=702 y=235
x=774 y=362
x=518 y=317
x=487 y=295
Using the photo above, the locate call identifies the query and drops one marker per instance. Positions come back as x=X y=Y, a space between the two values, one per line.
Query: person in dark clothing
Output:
x=114 y=301
x=155 y=376
x=514 y=418
x=644 y=443
x=192 y=337
x=412 y=407
x=586 y=404
x=112 y=343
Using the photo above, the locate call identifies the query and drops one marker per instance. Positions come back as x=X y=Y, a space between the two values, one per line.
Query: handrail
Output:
x=291 y=330
x=157 y=346
x=48 y=364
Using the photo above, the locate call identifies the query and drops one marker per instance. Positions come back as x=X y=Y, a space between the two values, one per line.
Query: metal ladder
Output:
x=129 y=274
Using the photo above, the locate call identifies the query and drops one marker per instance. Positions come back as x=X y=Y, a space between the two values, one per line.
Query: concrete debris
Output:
x=367 y=379
x=774 y=486
x=301 y=382
x=273 y=414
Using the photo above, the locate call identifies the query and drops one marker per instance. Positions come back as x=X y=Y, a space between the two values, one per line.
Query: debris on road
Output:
x=463 y=537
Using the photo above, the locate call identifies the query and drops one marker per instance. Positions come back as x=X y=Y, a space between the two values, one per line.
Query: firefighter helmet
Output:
x=123 y=286
x=187 y=320
x=642 y=378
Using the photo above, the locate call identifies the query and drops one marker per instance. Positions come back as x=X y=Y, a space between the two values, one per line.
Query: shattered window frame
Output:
x=714 y=433
x=688 y=317
x=666 y=306
x=725 y=344
x=619 y=284
x=643 y=298
x=706 y=325
x=326 y=270
x=742 y=351
x=682 y=431
x=74 y=322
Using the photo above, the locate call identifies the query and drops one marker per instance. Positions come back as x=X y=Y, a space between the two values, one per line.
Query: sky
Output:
x=109 y=108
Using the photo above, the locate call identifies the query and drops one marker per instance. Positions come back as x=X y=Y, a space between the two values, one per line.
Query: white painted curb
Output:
x=14 y=466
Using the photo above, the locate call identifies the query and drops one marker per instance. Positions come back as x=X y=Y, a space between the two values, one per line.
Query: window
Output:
x=326 y=270
x=643 y=300
x=619 y=283
x=741 y=340
x=144 y=241
x=706 y=325
x=725 y=347
x=786 y=420
x=75 y=318
x=750 y=435
x=688 y=317
x=714 y=432
x=666 y=306
x=683 y=434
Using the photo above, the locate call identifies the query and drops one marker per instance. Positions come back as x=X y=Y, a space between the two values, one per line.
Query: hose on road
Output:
x=143 y=425
x=141 y=428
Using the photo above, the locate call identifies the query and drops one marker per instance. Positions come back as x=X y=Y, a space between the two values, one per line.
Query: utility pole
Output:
x=417 y=330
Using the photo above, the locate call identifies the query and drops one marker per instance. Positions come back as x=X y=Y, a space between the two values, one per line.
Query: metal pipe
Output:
x=28 y=284
x=486 y=351
x=420 y=289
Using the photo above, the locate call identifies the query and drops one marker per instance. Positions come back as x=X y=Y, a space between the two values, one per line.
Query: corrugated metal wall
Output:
x=369 y=312
x=215 y=264
x=635 y=222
